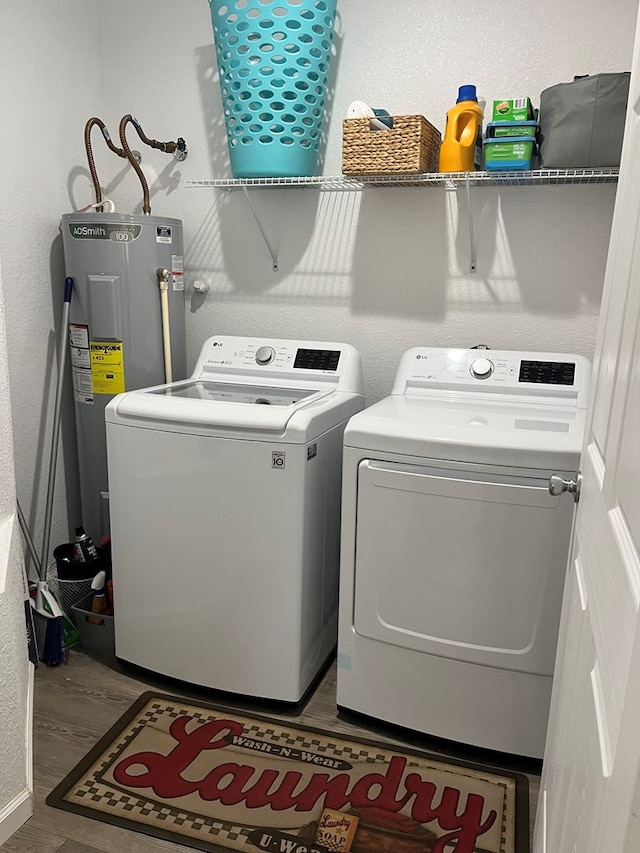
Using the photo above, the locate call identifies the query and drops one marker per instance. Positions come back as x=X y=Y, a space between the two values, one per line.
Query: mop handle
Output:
x=28 y=538
x=62 y=355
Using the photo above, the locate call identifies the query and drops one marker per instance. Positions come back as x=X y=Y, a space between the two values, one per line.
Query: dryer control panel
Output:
x=530 y=375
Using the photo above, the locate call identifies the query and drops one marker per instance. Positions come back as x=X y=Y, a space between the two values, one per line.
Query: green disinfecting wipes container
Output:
x=511 y=128
x=508 y=154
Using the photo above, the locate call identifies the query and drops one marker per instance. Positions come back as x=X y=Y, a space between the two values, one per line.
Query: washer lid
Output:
x=471 y=430
x=227 y=392
x=215 y=404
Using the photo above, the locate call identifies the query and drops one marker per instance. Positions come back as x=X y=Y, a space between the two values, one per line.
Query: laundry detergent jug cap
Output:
x=467 y=93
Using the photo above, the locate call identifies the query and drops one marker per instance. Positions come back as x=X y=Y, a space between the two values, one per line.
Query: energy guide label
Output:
x=107 y=367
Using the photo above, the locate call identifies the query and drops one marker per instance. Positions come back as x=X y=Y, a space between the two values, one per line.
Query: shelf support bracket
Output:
x=274 y=257
x=473 y=265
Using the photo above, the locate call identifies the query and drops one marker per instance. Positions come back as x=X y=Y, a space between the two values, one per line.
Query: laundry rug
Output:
x=216 y=779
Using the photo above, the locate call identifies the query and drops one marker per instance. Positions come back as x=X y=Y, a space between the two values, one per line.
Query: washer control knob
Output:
x=481 y=368
x=265 y=355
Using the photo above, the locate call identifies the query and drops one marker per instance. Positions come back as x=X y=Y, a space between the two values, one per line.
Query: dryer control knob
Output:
x=481 y=368
x=265 y=355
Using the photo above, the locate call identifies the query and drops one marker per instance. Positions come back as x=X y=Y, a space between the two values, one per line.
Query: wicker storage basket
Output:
x=411 y=146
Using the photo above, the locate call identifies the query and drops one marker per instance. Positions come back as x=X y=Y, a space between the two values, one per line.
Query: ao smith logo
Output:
x=116 y=233
x=85 y=231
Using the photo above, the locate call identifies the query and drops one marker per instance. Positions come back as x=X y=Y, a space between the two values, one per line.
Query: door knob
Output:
x=558 y=485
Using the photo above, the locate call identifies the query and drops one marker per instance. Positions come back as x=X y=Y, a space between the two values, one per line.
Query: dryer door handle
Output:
x=456 y=484
x=558 y=485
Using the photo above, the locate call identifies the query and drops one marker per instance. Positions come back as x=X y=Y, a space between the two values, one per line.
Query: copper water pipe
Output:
x=168 y=147
x=146 y=207
x=92 y=166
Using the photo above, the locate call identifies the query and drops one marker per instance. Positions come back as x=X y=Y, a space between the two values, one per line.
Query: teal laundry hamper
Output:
x=273 y=59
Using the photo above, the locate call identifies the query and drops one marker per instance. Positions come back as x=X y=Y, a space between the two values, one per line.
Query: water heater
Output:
x=116 y=328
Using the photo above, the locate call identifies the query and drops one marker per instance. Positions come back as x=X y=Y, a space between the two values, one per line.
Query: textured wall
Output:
x=51 y=65
x=384 y=269
x=14 y=669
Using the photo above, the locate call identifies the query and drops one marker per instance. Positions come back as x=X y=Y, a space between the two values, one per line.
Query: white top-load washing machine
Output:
x=225 y=515
x=454 y=551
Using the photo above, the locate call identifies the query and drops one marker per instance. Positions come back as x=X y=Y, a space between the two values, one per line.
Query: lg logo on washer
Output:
x=278 y=458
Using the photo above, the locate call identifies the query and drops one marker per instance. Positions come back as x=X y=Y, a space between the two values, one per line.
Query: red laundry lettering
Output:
x=232 y=784
x=211 y=787
x=163 y=774
x=388 y=784
x=259 y=795
x=468 y=827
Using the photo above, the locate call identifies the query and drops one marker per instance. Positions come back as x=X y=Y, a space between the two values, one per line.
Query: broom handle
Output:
x=62 y=356
x=28 y=538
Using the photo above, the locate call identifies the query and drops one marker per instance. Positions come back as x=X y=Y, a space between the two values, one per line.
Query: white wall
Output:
x=51 y=68
x=50 y=83
x=385 y=269
x=15 y=679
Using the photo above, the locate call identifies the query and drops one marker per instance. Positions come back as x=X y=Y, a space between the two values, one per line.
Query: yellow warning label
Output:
x=107 y=367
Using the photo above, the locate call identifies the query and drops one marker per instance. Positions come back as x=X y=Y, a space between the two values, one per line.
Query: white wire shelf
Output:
x=448 y=180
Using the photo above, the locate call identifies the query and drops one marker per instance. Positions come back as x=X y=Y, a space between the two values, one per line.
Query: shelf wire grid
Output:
x=448 y=180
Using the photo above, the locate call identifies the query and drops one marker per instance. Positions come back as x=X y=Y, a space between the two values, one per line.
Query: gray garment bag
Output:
x=582 y=123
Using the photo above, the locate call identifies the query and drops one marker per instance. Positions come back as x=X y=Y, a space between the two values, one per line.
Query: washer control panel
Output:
x=267 y=360
x=279 y=355
x=530 y=374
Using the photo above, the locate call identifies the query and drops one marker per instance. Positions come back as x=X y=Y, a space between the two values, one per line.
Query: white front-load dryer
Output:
x=225 y=515
x=454 y=550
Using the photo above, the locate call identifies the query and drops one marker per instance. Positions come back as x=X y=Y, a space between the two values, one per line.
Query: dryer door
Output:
x=461 y=564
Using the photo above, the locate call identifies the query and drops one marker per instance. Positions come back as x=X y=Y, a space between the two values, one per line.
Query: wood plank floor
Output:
x=77 y=703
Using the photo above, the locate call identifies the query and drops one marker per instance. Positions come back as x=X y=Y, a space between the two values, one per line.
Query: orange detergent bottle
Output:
x=461 y=149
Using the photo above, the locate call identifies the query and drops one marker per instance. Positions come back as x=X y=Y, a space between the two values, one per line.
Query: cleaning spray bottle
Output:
x=461 y=149
x=84 y=549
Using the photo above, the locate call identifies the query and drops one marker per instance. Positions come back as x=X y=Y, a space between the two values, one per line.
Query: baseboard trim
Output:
x=20 y=809
x=28 y=734
x=13 y=815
